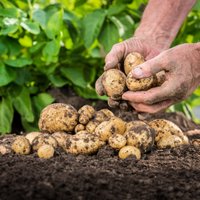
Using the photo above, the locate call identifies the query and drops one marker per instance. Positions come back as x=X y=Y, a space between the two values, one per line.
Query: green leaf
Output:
x=54 y=24
x=197 y=6
x=7 y=75
x=116 y=9
x=109 y=36
x=31 y=27
x=6 y=115
x=92 y=24
x=9 y=12
x=42 y=100
x=75 y=75
x=19 y=62
x=58 y=81
x=9 y=29
x=40 y=17
x=50 y=51
x=22 y=103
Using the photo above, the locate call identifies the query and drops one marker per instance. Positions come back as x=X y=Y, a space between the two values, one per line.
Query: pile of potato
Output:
x=86 y=130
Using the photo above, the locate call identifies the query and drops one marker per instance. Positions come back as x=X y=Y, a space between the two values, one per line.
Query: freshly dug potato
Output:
x=91 y=126
x=132 y=60
x=166 y=127
x=32 y=135
x=169 y=141
x=140 y=84
x=107 y=112
x=127 y=151
x=5 y=149
x=86 y=113
x=58 y=117
x=117 y=141
x=79 y=127
x=61 y=137
x=110 y=127
x=45 y=151
x=21 y=145
x=83 y=144
x=131 y=124
x=141 y=136
x=196 y=142
x=114 y=83
x=42 y=140
x=100 y=116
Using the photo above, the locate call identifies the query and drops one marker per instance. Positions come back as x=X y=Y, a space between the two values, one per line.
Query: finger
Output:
x=99 y=87
x=155 y=108
x=114 y=57
x=153 y=95
x=149 y=68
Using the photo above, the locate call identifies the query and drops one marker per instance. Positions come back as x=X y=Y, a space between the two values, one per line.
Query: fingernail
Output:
x=137 y=72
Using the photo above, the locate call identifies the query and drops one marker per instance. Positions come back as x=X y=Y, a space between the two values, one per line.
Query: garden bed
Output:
x=160 y=174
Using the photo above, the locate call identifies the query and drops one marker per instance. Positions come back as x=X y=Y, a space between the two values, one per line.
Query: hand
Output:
x=182 y=70
x=119 y=51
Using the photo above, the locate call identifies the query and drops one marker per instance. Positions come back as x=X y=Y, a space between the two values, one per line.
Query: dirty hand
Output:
x=182 y=70
x=119 y=51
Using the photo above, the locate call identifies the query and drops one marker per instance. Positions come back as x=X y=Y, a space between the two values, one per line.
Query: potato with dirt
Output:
x=86 y=113
x=46 y=151
x=128 y=151
x=58 y=117
x=117 y=141
x=32 y=135
x=110 y=127
x=5 y=143
x=79 y=127
x=21 y=145
x=42 y=140
x=164 y=127
x=140 y=135
x=61 y=137
x=82 y=143
x=114 y=83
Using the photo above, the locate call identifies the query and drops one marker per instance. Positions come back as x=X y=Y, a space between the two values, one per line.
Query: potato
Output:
x=127 y=151
x=45 y=151
x=83 y=143
x=61 y=137
x=86 y=113
x=140 y=84
x=112 y=126
x=114 y=83
x=107 y=112
x=132 y=60
x=131 y=124
x=169 y=141
x=91 y=126
x=117 y=141
x=100 y=116
x=42 y=140
x=141 y=136
x=163 y=126
x=79 y=127
x=32 y=135
x=58 y=117
x=21 y=145
x=5 y=149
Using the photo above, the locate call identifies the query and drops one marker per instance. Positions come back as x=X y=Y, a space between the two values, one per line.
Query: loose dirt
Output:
x=160 y=174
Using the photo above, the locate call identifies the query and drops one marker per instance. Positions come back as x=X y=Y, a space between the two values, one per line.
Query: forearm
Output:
x=162 y=20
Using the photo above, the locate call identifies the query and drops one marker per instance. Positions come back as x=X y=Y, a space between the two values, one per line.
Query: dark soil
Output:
x=160 y=174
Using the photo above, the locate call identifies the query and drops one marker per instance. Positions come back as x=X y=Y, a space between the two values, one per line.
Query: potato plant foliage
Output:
x=44 y=44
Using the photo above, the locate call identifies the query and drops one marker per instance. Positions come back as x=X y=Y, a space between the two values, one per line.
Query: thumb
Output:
x=147 y=69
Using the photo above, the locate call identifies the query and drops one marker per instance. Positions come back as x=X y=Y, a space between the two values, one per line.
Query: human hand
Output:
x=182 y=75
x=118 y=53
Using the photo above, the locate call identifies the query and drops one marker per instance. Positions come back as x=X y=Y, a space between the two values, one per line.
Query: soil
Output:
x=160 y=174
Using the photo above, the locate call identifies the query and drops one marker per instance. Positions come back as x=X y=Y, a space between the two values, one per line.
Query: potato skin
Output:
x=91 y=126
x=42 y=140
x=141 y=136
x=79 y=127
x=169 y=141
x=58 y=117
x=82 y=143
x=127 y=151
x=21 y=145
x=5 y=149
x=114 y=83
x=45 y=151
x=117 y=141
x=140 y=84
x=61 y=137
x=132 y=60
x=32 y=135
x=86 y=113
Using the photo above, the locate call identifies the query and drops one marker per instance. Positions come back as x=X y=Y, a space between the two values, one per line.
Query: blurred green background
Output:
x=54 y=43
